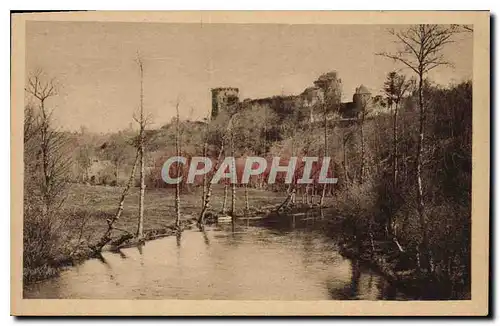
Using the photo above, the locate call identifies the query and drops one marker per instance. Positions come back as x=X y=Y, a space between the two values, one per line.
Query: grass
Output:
x=82 y=221
x=100 y=203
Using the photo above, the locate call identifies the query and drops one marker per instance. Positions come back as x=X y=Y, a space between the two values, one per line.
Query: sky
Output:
x=94 y=64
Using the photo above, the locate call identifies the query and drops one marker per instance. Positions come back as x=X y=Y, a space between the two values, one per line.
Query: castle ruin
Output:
x=326 y=91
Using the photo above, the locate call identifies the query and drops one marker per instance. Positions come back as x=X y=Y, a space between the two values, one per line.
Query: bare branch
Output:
x=399 y=59
x=421 y=47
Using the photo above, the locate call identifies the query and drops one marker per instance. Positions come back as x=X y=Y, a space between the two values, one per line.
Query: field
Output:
x=92 y=205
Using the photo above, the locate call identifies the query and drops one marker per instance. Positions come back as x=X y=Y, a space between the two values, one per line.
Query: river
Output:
x=287 y=259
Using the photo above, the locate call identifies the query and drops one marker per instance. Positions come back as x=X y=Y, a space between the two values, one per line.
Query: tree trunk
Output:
x=362 y=167
x=420 y=188
x=224 y=200
x=205 y=149
x=208 y=193
x=142 y=123
x=388 y=226
x=140 y=225
x=206 y=206
x=325 y=154
x=395 y=147
x=308 y=199
x=290 y=199
x=346 y=169
x=106 y=237
x=233 y=185
x=233 y=200
x=247 y=205
x=178 y=169
x=44 y=131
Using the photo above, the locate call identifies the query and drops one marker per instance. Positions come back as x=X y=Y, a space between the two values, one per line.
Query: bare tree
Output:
x=463 y=28
x=51 y=142
x=233 y=184
x=395 y=88
x=142 y=120
x=332 y=94
x=30 y=123
x=421 y=51
x=46 y=167
x=290 y=127
x=325 y=149
x=205 y=152
x=208 y=192
x=177 y=185
x=365 y=106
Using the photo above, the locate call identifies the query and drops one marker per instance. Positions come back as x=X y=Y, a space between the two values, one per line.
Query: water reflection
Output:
x=285 y=259
x=205 y=237
x=122 y=254
x=178 y=238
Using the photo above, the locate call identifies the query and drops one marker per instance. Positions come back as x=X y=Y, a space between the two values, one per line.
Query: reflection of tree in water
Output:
x=308 y=248
x=109 y=269
x=140 y=247
x=355 y=276
x=205 y=237
x=178 y=238
x=122 y=254
x=351 y=290
x=387 y=291
x=373 y=288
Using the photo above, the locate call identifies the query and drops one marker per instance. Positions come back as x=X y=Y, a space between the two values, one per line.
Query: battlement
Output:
x=225 y=89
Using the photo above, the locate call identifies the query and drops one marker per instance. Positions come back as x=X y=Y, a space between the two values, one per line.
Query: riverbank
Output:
x=398 y=267
x=381 y=255
x=87 y=207
x=253 y=262
x=391 y=259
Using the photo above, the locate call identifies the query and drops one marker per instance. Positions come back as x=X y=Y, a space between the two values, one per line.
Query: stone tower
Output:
x=362 y=96
x=224 y=99
x=362 y=100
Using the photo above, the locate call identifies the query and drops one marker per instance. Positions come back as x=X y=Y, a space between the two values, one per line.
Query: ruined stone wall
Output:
x=224 y=99
x=327 y=89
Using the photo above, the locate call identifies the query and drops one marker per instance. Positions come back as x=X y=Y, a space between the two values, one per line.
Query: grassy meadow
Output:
x=92 y=205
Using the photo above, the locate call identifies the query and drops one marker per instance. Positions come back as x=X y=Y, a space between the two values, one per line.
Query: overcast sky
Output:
x=94 y=63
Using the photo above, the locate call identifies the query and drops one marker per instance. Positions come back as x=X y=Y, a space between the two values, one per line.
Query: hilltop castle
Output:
x=327 y=89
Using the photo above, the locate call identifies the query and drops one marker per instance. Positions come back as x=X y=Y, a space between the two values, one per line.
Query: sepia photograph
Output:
x=337 y=163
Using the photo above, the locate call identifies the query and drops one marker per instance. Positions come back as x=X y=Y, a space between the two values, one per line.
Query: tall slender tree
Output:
x=205 y=152
x=50 y=143
x=141 y=139
x=208 y=192
x=395 y=88
x=420 y=50
x=178 y=170
x=365 y=106
x=233 y=184
x=106 y=237
x=331 y=86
